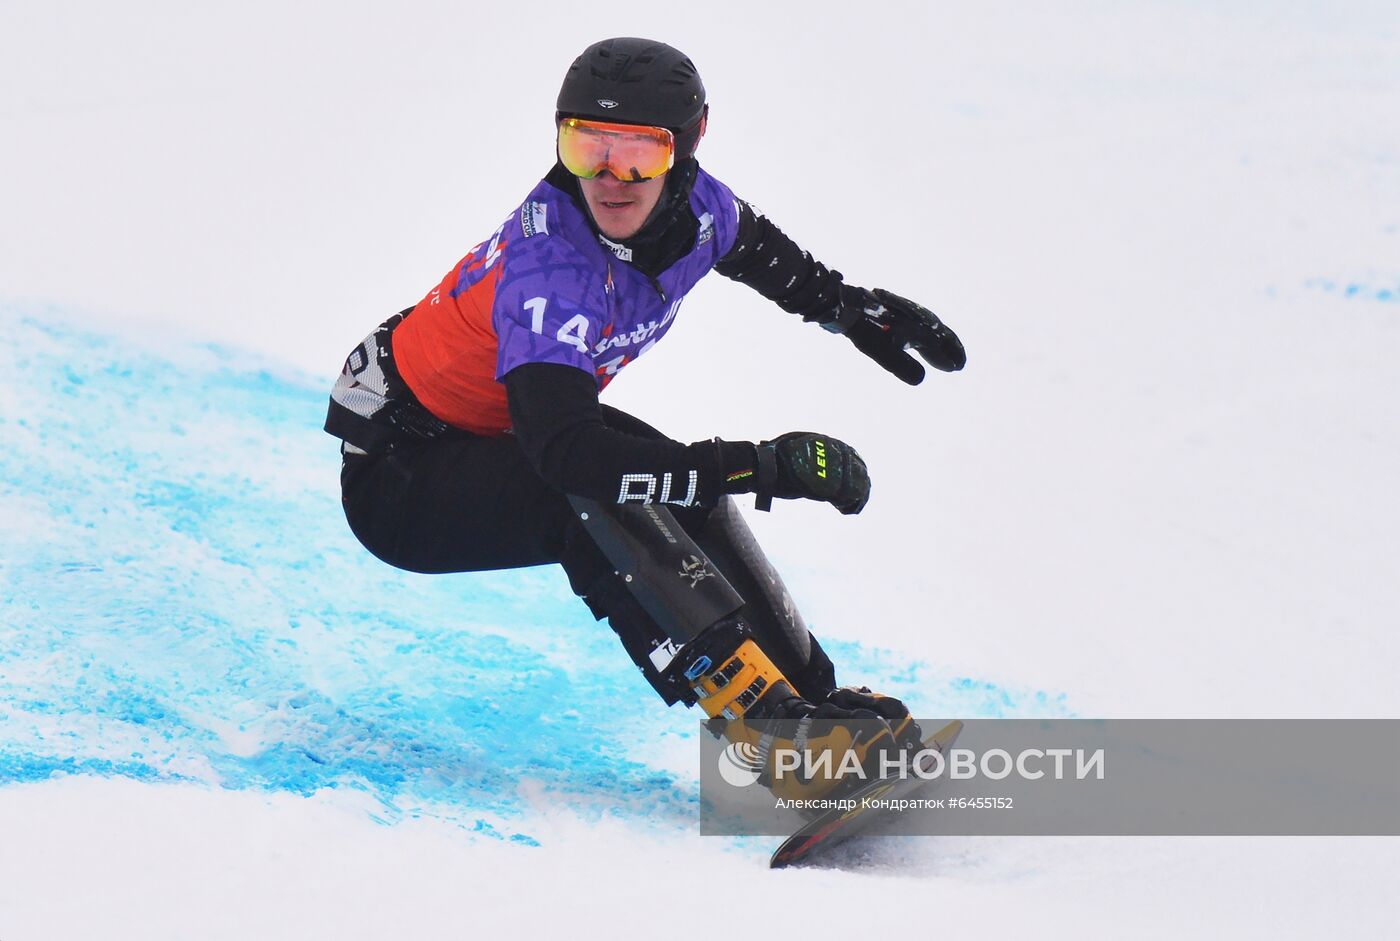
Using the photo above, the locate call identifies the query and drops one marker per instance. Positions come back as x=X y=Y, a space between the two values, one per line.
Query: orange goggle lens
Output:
x=630 y=152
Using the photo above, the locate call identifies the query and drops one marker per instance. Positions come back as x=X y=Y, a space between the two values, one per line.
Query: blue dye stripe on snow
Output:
x=1359 y=290
x=182 y=600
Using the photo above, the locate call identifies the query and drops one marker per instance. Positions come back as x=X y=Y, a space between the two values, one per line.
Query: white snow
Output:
x=1165 y=486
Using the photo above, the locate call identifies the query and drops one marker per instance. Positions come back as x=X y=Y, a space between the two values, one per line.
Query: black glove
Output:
x=801 y=464
x=884 y=325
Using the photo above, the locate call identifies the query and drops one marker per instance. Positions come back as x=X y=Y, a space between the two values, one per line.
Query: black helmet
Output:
x=636 y=81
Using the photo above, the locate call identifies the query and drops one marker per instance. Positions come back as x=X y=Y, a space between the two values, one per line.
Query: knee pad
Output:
x=663 y=568
x=769 y=611
x=661 y=585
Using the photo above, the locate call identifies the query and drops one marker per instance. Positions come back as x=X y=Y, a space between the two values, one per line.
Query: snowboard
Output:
x=836 y=826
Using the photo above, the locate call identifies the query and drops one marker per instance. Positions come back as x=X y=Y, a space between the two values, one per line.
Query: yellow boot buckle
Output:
x=741 y=679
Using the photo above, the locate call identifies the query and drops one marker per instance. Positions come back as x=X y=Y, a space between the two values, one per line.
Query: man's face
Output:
x=621 y=208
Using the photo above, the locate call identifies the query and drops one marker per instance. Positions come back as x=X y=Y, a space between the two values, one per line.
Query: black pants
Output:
x=465 y=503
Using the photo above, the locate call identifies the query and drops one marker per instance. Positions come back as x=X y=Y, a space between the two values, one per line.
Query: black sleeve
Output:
x=556 y=417
x=771 y=263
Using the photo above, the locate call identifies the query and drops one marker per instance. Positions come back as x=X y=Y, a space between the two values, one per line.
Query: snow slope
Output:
x=174 y=612
x=1164 y=486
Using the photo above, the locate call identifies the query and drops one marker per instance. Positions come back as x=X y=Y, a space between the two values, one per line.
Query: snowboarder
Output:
x=474 y=439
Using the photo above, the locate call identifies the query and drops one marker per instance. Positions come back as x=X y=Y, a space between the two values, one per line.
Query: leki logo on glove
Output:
x=740 y=764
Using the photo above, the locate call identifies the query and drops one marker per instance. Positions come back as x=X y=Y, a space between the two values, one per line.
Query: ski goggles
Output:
x=630 y=152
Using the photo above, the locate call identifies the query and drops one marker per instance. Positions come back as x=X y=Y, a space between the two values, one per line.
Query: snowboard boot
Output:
x=800 y=749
